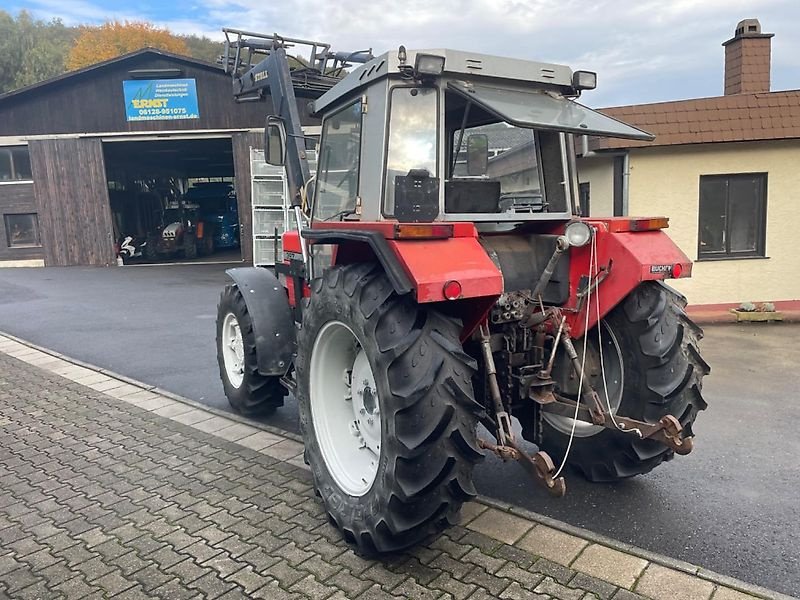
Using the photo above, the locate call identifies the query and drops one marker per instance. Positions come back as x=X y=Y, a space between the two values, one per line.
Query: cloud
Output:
x=643 y=50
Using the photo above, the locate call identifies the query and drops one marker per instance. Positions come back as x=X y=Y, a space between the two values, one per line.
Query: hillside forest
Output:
x=32 y=50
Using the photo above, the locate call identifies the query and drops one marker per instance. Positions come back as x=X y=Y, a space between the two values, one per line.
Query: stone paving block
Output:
x=725 y=593
x=153 y=403
x=193 y=417
x=549 y=587
x=552 y=544
x=283 y=450
x=661 y=583
x=123 y=390
x=104 y=386
x=470 y=510
x=236 y=432
x=501 y=526
x=610 y=565
x=601 y=589
x=172 y=409
x=259 y=441
x=213 y=424
x=93 y=379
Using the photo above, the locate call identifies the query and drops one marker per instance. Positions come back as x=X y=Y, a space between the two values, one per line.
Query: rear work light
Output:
x=422 y=231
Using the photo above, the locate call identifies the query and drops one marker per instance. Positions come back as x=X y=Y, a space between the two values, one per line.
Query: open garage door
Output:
x=173 y=200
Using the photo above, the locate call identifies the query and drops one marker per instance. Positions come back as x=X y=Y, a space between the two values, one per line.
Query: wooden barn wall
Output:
x=93 y=102
x=16 y=198
x=242 y=142
x=72 y=199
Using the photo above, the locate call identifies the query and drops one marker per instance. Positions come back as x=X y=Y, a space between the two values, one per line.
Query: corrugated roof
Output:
x=734 y=118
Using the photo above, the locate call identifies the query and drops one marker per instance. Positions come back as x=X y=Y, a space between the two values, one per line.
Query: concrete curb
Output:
x=653 y=557
x=578 y=532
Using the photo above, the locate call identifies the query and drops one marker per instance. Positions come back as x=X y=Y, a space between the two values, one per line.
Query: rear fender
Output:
x=422 y=267
x=631 y=258
x=432 y=264
x=273 y=323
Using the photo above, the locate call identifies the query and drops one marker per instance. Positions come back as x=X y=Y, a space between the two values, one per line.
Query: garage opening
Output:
x=173 y=200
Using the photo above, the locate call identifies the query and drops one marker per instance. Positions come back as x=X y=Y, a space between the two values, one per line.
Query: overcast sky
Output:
x=643 y=50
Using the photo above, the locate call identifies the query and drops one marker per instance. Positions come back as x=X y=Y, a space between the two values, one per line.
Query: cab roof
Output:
x=458 y=63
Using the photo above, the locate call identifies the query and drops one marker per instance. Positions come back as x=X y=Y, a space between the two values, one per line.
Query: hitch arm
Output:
x=667 y=431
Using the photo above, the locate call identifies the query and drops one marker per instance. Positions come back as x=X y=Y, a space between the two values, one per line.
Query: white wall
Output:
x=598 y=171
x=666 y=181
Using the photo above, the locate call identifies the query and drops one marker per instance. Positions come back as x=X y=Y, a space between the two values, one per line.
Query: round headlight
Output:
x=578 y=233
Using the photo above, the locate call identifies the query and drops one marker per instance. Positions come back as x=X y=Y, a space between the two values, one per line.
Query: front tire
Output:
x=250 y=393
x=189 y=246
x=660 y=373
x=358 y=334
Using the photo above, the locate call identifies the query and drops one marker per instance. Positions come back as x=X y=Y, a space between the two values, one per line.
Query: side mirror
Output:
x=477 y=154
x=275 y=141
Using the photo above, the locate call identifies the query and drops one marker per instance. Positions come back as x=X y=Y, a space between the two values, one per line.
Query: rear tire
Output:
x=249 y=392
x=428 y=414
x=663 y=373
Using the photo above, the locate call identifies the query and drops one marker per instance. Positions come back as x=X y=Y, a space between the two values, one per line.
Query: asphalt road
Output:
x=731 y=506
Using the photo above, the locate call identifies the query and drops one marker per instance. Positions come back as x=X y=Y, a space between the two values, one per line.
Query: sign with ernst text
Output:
x=160 y=99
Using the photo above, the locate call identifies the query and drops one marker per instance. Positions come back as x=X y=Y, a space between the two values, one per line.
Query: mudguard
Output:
x=273 y=323
x=629 y=258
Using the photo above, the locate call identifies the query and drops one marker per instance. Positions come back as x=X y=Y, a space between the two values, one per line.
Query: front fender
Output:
x=273 y=323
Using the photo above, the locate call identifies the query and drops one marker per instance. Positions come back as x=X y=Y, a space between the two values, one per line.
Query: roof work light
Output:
x=428 y=65
x=584 y=80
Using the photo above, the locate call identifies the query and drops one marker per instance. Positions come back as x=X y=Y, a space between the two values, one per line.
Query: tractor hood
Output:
x=539 y=109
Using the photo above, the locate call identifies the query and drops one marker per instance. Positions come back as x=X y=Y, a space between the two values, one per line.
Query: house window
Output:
x=583 y=195
x=15 y=164
x=733 y=210
x=22 y=230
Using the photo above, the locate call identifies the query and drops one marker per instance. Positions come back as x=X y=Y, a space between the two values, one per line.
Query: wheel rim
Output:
x=345 y=408
x=233 y=350
x=612 y=360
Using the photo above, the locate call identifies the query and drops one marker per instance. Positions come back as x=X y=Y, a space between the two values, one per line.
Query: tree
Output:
x=112 y=39
x=203 y=48
x=31 y=50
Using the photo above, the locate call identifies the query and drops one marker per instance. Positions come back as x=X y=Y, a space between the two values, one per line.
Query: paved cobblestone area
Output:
x=103 y=498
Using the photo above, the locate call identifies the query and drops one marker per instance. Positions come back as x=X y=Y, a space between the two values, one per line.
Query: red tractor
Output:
x=428 y=287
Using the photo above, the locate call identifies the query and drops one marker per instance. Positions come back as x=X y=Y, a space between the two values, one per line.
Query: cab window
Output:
x=412 y=138
x=339 y=161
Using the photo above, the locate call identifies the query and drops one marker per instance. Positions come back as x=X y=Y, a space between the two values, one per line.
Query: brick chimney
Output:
x=747 y=59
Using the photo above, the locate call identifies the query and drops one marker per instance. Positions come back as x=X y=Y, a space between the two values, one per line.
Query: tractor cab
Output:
x=443 y=135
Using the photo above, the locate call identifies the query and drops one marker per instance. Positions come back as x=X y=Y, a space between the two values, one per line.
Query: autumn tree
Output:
x=113 y=38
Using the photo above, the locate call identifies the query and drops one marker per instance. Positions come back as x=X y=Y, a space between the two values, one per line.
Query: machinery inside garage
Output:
x=173 y=200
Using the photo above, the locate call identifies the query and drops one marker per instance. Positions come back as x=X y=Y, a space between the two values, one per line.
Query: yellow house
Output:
x=726 y=170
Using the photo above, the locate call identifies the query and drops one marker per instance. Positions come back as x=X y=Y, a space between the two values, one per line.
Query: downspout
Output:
x=626 y=168
x=626 y=176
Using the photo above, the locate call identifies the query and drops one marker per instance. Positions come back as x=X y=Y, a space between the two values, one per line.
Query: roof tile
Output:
x=740 y=117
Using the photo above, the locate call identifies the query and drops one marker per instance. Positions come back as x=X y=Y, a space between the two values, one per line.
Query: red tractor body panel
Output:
x=625 y=258
x=432 y=264
x=630 y=257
